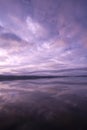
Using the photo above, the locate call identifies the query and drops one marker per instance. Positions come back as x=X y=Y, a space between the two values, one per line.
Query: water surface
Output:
x=53 y=101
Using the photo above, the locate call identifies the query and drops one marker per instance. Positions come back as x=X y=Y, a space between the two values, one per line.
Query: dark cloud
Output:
x=10 y=36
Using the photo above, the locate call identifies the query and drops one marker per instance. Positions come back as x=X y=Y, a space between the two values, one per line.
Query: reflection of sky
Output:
x=37 y=34
x=15 y=91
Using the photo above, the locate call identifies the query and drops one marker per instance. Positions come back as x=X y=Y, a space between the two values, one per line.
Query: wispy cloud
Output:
x=49 y=35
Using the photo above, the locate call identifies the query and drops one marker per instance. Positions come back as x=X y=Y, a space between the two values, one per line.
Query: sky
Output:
x=43 y=35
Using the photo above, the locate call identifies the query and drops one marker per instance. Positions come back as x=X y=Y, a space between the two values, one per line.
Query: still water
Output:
x=45 y=103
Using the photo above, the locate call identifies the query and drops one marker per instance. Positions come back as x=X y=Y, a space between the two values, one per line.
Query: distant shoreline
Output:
x=23 y=77
x=33 y=77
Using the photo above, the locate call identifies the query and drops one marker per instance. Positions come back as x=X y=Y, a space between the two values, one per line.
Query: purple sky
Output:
x=42 y=35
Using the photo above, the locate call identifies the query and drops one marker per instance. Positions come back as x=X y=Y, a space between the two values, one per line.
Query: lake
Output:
x=57 y=100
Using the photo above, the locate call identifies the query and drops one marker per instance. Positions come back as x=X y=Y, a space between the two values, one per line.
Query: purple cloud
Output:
x=42 y=35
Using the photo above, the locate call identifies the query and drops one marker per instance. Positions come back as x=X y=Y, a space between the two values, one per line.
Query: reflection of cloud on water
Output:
x=56 y=85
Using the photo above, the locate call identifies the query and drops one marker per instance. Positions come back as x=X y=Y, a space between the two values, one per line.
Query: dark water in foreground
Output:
x=45 y=103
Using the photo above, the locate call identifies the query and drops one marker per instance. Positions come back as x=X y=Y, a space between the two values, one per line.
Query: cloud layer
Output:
x=42 y=35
